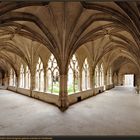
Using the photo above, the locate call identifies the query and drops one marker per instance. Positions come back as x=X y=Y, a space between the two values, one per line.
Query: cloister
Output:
x=61 y=51
x=65 y=52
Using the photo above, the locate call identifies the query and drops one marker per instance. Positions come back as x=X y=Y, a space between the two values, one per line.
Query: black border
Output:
x=22 y=137
x=62 y=137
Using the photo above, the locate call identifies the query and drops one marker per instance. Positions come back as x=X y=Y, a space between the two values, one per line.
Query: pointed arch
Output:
x=109 y=76
x=96 y=76
x=101 y=75
x=22 y=76
x=27 y=77
x=85 y=75
x=52 y=75
x=73 y=75
x=12 y=78
x=39 y=82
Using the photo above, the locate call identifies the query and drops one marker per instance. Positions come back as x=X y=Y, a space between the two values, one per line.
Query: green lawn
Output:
x=56 y=88
x=70 y=89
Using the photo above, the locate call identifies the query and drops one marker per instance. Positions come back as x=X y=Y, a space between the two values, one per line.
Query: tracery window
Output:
x=101 y=75
x=22 y=76
x=27 y=77
x=52 y=75
x=96 y=76
x=12 y=80
x=73 y=75
x=39 y=76
x=110 y=76
x=85 y=75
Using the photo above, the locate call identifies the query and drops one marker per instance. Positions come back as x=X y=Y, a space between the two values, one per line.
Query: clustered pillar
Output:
x=138 y=83
x=92 y=83
x=63 y=95
x=17 y=81
x=105 y=81
x=32 y=83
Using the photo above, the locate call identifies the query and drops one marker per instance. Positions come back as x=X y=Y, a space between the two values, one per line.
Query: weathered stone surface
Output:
x=114 y=112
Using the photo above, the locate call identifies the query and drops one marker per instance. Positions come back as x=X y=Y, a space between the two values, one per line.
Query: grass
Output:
x=56 y=88
x=70 y=88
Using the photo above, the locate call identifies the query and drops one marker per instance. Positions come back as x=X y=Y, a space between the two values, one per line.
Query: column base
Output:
x=63 y=103
x=63 y=108
x=137 y=90
x=31 y=92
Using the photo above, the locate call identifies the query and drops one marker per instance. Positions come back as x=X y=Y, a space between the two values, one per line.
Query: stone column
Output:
x=98 y=76
x=45 y=77
x=17 y=81
x=80 y=79
x=120 y=79
x=114 y=79
x=7 y=81
x=92 y=80
x=32 y=70
x=47 y=82
x=105 y=81
x=63 y=93
x=24 y=78
x=117 y=80
x=63 y=64
x=138 y=83
x=32 y=83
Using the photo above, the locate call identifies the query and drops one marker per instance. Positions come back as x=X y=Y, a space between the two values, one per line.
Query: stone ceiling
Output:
x=63 y=27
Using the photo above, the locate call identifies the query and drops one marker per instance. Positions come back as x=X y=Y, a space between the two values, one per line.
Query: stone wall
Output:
x=109 y=86
x=54 y=99
x=46 y=97
x=74 y=98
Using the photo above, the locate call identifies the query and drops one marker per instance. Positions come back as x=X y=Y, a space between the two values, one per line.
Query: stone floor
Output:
x=114 y=112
